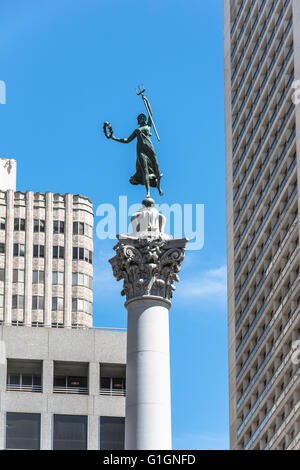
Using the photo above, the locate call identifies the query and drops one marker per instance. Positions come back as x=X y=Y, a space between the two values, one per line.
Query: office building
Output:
x=62 y=381
x=262 y=62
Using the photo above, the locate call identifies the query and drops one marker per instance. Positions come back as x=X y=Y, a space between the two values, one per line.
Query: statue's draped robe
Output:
x=146 y=161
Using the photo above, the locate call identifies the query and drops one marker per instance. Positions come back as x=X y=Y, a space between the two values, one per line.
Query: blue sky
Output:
x=70 y=65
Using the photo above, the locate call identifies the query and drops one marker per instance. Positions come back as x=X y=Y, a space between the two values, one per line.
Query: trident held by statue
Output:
x=147 y=170
x=140 y=90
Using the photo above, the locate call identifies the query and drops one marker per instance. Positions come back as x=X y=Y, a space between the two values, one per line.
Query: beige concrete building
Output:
x=62 y=381
x=62 y=388
x=46 y=258
x=262 y=61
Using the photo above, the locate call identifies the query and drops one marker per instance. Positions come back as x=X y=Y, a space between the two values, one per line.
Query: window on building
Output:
x=88 y=230
x=17 y=301
x=2 y=248
x=83 y=254
x=38 y=251
x=58 y=226
x=19 y=249
x=81 y=305
x=69 y=432
x=58 y=252
x=57 y=277
x=73 y=382
x=1 y=300
x=57 y=303
x=80 y=228
x=38 y=277
x=23 y=431
x=18 y=275
x=112 y=385
x=112 y=432
x=38 y=225
x=19 y=224
x=24 y=376
x=2 y=274
x=2 y=223
x=70 y=377
x=37 y=302
x=112 y=379
x=80 y=279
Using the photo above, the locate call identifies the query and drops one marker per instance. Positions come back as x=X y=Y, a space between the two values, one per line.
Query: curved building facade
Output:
x=62 y=385
x=46 y=259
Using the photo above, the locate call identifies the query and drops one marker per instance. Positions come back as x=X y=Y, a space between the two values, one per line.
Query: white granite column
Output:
x=68 y=260
x=148 y=402
x=28 y=259
x=48 y=260
x=9 y=243
x=148 y=260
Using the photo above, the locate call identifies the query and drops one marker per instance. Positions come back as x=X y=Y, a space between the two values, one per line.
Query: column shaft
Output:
x=28 y=259
x=9 y=243
x=68 y=260
x=48 y=260
x=148 y=402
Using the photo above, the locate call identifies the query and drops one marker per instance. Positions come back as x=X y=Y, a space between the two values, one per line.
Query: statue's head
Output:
x=142 y=119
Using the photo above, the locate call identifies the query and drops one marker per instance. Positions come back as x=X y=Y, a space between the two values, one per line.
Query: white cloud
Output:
x=209 y=284
x=103 y=275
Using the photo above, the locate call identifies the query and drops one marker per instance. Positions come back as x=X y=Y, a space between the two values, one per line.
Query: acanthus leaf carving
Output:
x=148 y=266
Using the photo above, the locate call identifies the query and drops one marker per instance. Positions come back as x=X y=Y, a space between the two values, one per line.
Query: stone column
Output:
x=46 y=431
x=9 y=246
x=68 y=260
x=148 y=261
x=47 y=417
x=48 y=260
x=28 y=259
x=93 y=421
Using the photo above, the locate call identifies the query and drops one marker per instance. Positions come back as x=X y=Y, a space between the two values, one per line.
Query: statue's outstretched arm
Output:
x=125 y=141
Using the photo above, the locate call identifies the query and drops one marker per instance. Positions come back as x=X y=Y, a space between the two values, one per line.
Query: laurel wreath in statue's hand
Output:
x=108 y=130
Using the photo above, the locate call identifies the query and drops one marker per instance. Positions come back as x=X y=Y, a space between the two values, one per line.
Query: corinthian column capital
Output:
x=148 y=262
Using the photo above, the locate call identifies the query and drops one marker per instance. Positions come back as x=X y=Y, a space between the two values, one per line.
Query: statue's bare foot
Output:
x=161 y=193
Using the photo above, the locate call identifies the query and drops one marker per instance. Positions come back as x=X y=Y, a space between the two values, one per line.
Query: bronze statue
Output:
x=147 y=171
